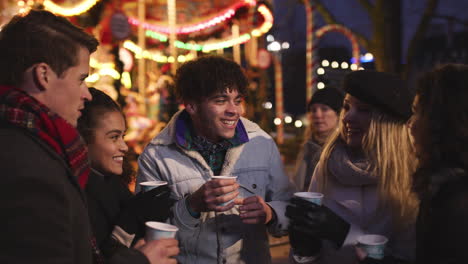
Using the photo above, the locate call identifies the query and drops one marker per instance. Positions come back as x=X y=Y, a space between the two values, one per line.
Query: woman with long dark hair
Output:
x=117 y=216
x=439 y=126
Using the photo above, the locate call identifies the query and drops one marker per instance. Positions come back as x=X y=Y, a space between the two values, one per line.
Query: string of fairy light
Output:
x=223 y=43
x=190 y=28
x=73 y=10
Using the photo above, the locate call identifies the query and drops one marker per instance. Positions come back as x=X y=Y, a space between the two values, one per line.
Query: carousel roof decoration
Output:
x=159 y=31
x=222 y=43
x=218 y=18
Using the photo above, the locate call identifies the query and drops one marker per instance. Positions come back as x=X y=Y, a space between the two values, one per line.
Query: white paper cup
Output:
x=149 y=185
x=158 y=230
x=222 y=177
x=313 y=197
x=373 y=245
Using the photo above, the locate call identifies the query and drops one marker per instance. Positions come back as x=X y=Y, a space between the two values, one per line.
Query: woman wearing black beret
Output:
x=364 y=173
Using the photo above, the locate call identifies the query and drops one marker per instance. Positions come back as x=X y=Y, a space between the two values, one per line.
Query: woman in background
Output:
x=322 y=112
x=116 y=215
x=364 y=173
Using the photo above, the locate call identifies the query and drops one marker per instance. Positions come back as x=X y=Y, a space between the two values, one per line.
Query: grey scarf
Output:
x=348 y=172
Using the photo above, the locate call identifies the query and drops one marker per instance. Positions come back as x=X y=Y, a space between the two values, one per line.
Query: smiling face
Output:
x=108 y=148
x=67 y=93
x=216 y=117
x=356 y=121
x=323 y=119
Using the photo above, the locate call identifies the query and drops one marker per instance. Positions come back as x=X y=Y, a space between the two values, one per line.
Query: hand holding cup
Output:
x=215 y=195
x=160 y=251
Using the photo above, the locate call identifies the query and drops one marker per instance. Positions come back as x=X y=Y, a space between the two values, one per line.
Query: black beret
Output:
x=327 y=96
x=383 y=90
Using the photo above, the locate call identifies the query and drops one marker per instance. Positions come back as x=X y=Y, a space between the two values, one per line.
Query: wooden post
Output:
x=141 y=43
x=236 y=48
x=171 y=15
x=279 y=98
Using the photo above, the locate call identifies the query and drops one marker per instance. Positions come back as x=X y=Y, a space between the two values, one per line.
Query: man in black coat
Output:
x=43 y=161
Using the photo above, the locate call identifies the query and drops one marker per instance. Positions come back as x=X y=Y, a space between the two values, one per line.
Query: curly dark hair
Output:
x=91 y=115
x=205 y=76
x=443 y=102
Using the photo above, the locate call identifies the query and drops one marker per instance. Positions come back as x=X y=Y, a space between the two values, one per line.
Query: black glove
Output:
x=302 y=244
x=317 y=221
x=154 y=205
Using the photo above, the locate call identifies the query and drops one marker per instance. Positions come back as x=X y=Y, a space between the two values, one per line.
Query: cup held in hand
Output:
x=313 y=197
x=149 y=185
x=158 y=230
x=223 y=177
x=373 y=245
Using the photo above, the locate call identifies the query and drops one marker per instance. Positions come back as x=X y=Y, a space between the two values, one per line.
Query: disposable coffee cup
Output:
x=158 y=230
x=313 y=197
x=224 y=177
x=373 y=245
x=149 y=185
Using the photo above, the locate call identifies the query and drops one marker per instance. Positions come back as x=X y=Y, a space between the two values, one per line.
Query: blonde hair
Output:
x=389 y=151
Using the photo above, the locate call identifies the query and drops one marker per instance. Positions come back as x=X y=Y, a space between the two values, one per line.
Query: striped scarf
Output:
x=22 y=110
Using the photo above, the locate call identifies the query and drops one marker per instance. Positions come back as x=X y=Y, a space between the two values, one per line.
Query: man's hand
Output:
x=254 y=210
x=159 y=251
x=212 y=194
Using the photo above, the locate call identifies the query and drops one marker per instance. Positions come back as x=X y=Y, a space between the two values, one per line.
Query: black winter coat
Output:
x=106 y=198
x=442 y=224
x=44 y=218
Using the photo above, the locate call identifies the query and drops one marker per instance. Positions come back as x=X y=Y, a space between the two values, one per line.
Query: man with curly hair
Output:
x=219 y=220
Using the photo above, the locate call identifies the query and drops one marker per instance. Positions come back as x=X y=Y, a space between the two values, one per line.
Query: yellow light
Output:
x=320 y=71
x=256 y=33
x=77 y=9
x=228 y=43
x=92 y=78
x=298 y=123
x=277 y=121
x=320 y=85
x=325 y=63
x=109 y=71
x=368 y=56
x=126 y=80
x=181 y=58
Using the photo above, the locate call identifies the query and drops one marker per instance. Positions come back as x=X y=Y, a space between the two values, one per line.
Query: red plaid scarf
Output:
x=22 y=110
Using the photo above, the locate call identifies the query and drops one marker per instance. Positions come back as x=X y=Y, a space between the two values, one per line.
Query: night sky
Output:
x=290 y=27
